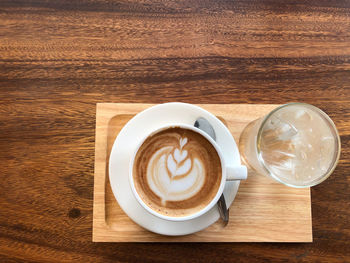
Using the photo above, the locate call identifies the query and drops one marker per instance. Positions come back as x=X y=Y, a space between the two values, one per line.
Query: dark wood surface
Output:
x=59 y=58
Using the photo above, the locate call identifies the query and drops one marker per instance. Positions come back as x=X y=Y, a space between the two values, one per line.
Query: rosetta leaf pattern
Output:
x=178 y=162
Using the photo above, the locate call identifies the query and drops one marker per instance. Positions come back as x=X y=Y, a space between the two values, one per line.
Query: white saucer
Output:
x=126 y=143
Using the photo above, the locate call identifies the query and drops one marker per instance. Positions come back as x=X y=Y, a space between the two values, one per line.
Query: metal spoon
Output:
x=205 y=126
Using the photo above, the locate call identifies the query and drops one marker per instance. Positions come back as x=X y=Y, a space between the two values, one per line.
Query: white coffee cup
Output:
x=229 y=173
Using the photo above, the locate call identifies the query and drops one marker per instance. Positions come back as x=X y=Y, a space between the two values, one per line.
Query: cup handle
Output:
x=236 y=173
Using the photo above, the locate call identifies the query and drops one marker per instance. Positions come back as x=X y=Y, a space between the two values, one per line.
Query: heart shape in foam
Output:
x=175 y=169
x=179 y=156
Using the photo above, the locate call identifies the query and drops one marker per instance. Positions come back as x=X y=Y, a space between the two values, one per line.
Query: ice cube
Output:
x=302 y=116
x=286 y=131
x=273 y=122
x=304 y=120
x=326 y=145
x=283 y=166
x=276 y=157
x=279 y=130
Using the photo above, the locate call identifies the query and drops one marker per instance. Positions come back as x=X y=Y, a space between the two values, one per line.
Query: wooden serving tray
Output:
x=263 y=210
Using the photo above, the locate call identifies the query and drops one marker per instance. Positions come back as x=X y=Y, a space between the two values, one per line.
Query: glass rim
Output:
x=337 y=144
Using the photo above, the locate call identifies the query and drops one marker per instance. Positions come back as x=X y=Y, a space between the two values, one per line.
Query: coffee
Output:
x=177 y=172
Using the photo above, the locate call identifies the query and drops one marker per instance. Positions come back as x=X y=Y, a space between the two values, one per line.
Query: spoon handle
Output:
x=224 y=212
x=204 y=125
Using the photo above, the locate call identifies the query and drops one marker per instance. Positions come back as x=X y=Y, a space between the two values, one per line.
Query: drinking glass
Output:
x=296 y=144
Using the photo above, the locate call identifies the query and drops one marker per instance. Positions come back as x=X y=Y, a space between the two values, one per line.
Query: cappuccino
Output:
x=177 y=172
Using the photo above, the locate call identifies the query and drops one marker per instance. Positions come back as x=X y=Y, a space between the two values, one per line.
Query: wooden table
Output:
x=59 y=58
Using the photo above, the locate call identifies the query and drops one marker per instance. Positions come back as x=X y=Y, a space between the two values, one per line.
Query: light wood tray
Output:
x=263 y=210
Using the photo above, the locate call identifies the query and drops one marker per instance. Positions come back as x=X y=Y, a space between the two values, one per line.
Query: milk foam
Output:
x=174 y=174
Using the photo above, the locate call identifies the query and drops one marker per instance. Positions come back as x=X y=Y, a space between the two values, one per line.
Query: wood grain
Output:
x=263 y=211
x=59 y=58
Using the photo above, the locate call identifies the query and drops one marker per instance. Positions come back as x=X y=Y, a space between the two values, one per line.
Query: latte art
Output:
x=173 y=175
x=177 y=172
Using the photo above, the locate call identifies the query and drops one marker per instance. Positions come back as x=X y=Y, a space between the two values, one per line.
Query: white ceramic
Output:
x=228 y=173
x=128 y=139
